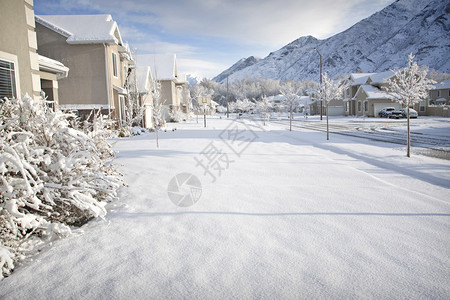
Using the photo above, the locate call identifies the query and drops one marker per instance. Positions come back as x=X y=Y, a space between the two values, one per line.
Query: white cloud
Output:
x=255 y=27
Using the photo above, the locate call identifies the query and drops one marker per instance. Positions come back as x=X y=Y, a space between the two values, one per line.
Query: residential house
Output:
x=355 y=81
x=92 y=47
x=371 y=97
x=439 y=102
x=173 y=85
x=22 y=69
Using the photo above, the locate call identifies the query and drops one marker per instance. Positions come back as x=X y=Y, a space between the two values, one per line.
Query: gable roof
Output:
x=143 y=77
x=381 y=77
x=373 y=92
x=83 y=29
x=359 y=78
x=162 y=66
x=442 y=85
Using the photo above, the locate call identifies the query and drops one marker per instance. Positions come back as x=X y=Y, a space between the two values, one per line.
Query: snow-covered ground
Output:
x=280 y=215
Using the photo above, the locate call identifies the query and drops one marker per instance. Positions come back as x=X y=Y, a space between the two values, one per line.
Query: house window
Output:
x=439 y=93
x=114 y=62
x=7 y=79
x=366 y=106
x=347 y=106
x=422 y=106
x=359 y=105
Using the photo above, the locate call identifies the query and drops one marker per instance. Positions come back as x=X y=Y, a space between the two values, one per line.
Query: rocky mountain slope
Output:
x=240 y=65
x=375 y=44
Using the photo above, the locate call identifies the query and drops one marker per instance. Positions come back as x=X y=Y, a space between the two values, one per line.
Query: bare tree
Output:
x=291 y=99
x=408 y=86
x=328 y=91
x=264 y=105
x=157 y=107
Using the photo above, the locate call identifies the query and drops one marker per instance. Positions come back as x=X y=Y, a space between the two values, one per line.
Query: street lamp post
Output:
x=320 y=57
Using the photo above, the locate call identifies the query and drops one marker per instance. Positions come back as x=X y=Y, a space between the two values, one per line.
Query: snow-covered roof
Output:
x=143 y=77
x=83 y=29
x=305 y=100
x=381 y=77
x=53 y=66
x=442 y=85
x=162 y=66
x=373 y=92
x=359 y=78
x=277 y=98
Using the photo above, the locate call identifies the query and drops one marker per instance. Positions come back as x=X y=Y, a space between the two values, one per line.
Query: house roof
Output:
x=83 y=29
x=442 y=85
x=373 y=92
x=143 y=77
x=162 y=66
x=306 y=100
x=52 y=66
x=359 y=78
x=381 y=77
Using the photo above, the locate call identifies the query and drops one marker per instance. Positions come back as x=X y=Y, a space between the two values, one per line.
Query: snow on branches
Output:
x=328 y=91
x=291 y=99
x=408 y=86
x=51 y=176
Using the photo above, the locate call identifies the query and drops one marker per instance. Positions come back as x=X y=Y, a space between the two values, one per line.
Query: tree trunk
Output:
x=328 y=130
x=157 y=139
x=290 y=120
x=408 y=150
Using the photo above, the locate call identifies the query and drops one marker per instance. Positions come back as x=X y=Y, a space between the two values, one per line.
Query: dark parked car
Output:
x=390 y=112
x=412 y=113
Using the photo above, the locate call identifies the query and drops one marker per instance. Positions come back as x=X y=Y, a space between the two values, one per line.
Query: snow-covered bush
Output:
x=51 y=176
x=177 y=116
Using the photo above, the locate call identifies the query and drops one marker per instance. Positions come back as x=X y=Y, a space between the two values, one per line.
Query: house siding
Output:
x=17 y=44
x=86 y=81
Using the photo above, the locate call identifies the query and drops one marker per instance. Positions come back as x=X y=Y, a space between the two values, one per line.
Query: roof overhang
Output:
x=52 y=66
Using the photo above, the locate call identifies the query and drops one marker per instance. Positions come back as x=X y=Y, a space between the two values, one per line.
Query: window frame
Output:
x=114 y=65
x=12 y=76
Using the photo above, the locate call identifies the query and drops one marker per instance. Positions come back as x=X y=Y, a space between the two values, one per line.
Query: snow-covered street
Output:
x=280 y=215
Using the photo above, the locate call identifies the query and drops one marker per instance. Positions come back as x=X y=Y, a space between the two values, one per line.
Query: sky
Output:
x=208 y=36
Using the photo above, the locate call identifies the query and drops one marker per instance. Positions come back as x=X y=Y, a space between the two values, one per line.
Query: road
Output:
x=434 y=144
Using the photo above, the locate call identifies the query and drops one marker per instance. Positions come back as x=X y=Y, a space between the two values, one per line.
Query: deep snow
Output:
x=290 y=215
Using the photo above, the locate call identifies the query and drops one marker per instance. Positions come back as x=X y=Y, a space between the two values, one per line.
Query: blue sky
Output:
x=208 y=36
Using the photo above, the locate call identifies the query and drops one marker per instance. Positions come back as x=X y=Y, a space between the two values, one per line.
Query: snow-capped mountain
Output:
x=193 y=80
x=375 y=44
x=240 y=65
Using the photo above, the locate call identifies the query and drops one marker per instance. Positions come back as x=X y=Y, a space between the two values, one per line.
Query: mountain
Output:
x=192 y=80
x=241 y=64
x=375 y=44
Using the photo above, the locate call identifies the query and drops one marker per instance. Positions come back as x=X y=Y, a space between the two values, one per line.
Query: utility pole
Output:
x=321 y=104
x=228 y=111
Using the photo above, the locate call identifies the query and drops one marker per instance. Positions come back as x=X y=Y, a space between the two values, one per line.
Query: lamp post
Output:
x=320 y=57
x=228 y=111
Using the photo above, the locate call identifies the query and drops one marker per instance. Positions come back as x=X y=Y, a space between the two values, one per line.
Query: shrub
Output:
x=52 y=176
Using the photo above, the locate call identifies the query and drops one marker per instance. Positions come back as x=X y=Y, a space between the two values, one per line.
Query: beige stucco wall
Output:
x=86 y=83
x=18 y=44
x=444 y=93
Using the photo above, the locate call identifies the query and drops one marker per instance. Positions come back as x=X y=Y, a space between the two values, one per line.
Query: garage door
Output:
x=379 y=106
x=336 y=110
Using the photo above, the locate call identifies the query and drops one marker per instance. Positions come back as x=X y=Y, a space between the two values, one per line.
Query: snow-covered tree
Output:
x=263 y=106
x=408 y=86
x=291 y=99
x=328 y=91
x=157 y=109
x=51 y=176
x=134 y=109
